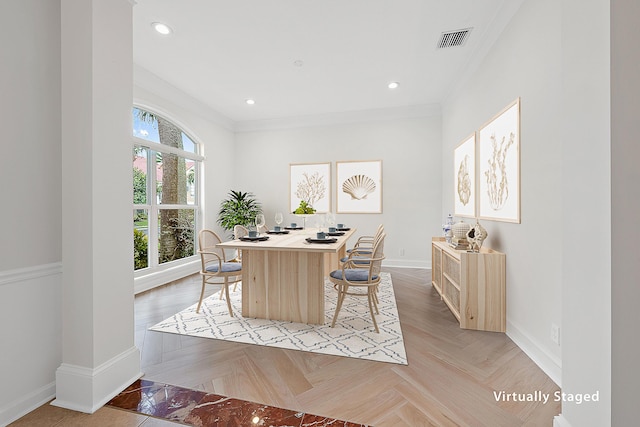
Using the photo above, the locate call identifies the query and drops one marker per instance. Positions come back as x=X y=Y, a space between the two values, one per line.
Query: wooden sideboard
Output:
x=472 y=285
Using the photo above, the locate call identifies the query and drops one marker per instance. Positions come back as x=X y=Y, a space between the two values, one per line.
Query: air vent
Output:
x=453 y=38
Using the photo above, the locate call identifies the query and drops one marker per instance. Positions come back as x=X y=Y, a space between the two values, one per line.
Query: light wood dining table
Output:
x=283 y=277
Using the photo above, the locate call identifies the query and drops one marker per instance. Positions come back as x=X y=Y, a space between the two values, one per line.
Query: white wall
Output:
x=30 y=170
x=525 y=63
x=586 y=207
x=410 y=150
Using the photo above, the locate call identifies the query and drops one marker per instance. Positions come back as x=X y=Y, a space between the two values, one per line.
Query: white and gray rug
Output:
x=353 y=335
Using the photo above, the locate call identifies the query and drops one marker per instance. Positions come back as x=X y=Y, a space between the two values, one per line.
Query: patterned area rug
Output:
x=353 y=336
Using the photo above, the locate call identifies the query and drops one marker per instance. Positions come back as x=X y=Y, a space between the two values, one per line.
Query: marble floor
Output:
x=199 y=408
x=151 y=404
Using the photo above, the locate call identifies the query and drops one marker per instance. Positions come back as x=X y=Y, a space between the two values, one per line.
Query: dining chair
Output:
x=363 y=248
x=360 y=280
x=365 y=243
x=215 y=269
x=238 y=232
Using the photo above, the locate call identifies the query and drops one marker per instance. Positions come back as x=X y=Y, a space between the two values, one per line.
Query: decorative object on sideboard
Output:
x=476 y=236
x=447 y=228
x=460 y=230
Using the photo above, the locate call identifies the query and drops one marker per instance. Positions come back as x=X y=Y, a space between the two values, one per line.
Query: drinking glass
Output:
x=278 y=218
x=259 y=222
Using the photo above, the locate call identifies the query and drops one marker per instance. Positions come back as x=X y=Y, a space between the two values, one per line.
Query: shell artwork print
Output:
x=496 y=174
x=464 y=181
x=358 y=186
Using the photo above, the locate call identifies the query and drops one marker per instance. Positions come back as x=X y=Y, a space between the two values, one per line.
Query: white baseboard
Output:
x=162 y=277
x=549 y=363
x=407 y=263
x=560 y=421
x=88 y=389
x=21 y=407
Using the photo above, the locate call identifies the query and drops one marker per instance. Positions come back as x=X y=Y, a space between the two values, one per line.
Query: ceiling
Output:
x=301 y=58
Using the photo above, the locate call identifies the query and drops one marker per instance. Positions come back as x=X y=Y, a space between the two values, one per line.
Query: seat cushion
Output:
x=353 y=275
x=227 y=267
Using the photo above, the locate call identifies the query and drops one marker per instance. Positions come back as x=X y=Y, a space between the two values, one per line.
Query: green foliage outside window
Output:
x=140 y=250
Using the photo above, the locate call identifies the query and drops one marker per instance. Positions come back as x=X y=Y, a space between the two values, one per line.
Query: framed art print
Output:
x=464 y=158
x=499 y=166
x=310 y=182
x=359 y=186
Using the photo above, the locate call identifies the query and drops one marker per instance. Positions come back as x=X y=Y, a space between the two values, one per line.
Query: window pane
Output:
x=145 y=125
x=140 y=176
x=188 y=144
x=176 y=236
x=175 y=178
x=140 y=239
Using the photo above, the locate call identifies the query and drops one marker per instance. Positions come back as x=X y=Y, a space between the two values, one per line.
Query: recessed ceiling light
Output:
x=393 y=85
x=250 y=101
x=163 y=29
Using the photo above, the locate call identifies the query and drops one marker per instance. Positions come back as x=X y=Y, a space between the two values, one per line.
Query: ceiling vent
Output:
x=453 y=38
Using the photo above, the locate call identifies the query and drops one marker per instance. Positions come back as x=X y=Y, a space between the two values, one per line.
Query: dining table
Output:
x=283 y=274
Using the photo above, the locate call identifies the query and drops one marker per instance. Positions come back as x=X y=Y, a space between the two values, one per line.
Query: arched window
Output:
x=166 y=196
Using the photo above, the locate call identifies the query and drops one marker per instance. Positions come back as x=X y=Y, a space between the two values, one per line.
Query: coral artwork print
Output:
x=499 y=162
x=496 y=174
x=311 y=188
x=464 y=181
x=309 y=183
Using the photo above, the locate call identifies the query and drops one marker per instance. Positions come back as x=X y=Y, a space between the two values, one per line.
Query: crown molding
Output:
x=147 y=80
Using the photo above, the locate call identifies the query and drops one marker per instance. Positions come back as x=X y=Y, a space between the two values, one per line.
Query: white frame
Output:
x=499 y=166
x=372 y=202
x=298 y=173
x=464 y=159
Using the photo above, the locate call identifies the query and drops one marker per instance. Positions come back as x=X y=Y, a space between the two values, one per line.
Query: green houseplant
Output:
x=238 y=209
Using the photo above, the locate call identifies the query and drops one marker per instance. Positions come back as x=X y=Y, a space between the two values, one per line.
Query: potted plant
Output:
x=238 y=209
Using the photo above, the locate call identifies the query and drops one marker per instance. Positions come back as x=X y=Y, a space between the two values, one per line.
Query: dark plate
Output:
x=343 y=229
x=336 y=233
x=254 y=239
x=277 y=232
x=294 y=228
x=310 y=240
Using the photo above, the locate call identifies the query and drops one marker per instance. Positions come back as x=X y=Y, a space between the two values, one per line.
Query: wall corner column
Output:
x=99 y=357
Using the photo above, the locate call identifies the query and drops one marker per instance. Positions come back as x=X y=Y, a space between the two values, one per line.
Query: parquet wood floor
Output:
x=450 y=380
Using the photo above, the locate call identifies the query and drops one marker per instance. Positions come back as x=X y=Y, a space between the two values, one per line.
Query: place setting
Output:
x=278 y=229
x=331 y=235
x=254 y=235
x=321 y=237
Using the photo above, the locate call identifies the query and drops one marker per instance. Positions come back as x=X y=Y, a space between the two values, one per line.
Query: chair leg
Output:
x=371 y=304
x=374 y=297
x=204 y=282
x=342 y=290
x=226 y=290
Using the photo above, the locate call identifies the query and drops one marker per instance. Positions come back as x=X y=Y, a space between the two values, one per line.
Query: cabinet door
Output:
x=436 y=268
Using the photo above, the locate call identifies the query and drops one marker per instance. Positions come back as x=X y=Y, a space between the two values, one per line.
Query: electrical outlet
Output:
x=555 y=333
x=402 y=252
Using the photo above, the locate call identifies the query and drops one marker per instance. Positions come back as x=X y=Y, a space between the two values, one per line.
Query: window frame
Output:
x=153 y=207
